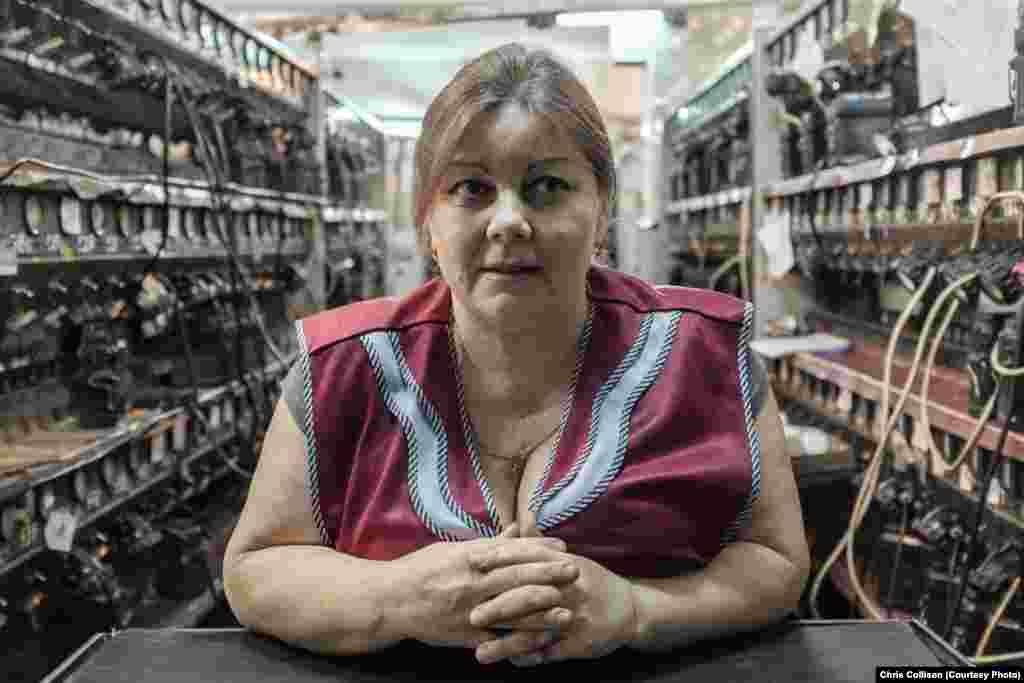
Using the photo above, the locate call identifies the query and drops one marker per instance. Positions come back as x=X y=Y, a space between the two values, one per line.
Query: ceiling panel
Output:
x=473 y=8
x=398 y=74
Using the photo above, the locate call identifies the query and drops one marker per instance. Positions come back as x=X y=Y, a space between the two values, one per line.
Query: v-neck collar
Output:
x=569 y=403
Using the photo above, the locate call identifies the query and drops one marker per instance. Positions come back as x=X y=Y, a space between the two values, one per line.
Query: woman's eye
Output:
x=547 y=187
x=469 y=189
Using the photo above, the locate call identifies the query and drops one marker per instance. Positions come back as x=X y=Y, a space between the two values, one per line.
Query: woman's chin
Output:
x=515 y=309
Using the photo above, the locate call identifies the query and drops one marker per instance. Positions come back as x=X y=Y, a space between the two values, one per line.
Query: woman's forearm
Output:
x=318 y=599
x=747 y=586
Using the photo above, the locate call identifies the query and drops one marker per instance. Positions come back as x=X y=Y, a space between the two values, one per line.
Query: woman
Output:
x=532 y=456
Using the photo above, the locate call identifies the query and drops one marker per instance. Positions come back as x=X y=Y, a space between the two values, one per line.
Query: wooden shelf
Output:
x=894 y=236
x=858 y=372
x=734 y=195
x=954 y=151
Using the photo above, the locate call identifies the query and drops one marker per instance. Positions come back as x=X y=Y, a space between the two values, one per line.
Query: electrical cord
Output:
x=874 y=462
x=214 y=181
x=228 y=238
x=979 y=513
x=871 y=476
x=878 y=528
x=1011 y=386
x=925 y=419
x=894 y=570
x=24 y=161
x=867 y=494
x=991 y=202
x=998 y=659
x=950 y=571
x=1001 y=369
x=728 y=265
x=194 y=407
x=996 y=617
x=809 y=210
x=165 y=173
x=862 y=502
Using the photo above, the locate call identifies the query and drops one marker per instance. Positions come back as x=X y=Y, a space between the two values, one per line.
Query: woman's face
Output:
x=516 y=219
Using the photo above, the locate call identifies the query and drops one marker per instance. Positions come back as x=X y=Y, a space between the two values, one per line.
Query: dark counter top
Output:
x=812 y=651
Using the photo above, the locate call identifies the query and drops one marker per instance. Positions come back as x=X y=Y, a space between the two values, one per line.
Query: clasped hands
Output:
x=524 y=599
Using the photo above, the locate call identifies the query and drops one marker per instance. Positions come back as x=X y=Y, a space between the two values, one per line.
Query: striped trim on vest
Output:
x=426 y=440
x=743 y=520
x=604 y=454
x=312 y=462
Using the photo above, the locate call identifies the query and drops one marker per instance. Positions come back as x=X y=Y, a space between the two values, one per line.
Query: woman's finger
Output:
x=516 y=551
x=518 y=644
x=516 y=604
x=504 y=579
x=559 y=618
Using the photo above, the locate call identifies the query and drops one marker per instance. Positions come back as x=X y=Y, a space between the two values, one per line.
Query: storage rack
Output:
x=708 y=185
x=860 y=220
x=261 y=187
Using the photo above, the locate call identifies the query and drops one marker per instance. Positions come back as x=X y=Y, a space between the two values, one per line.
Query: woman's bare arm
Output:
x=280 y=579
x=751 y=583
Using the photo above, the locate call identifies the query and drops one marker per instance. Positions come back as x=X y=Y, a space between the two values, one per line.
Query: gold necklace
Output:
x=518 y=460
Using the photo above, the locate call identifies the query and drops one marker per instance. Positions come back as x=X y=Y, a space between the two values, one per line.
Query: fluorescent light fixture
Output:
x=632 y=17
x=344 y=114
x=402 y=128
x=350 y=111
x=630 y=31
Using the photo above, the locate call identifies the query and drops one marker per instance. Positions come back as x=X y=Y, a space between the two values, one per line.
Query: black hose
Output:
x=896 y=560
x=979 y=513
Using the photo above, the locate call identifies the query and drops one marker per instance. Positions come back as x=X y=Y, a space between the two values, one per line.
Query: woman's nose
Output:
x=509 y=218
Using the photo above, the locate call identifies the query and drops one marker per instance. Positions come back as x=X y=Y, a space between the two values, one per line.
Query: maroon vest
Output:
x=655 y=469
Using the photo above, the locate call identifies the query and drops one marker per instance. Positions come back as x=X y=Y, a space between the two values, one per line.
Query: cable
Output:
x=979 y=508
x=729 y=264
x=997 y=659
x=925 y=418
x=924 y=421
x=996 y=616
x=896 y=560
x=809 y=210
x=193 y=400
x=215 y=184
x=874 y=461
x=1001 y=369
x=165 y=174
x=991 y=202
x=863 y=502
x=50 y=166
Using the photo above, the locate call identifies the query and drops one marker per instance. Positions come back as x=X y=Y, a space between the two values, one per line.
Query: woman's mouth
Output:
x=513 y=271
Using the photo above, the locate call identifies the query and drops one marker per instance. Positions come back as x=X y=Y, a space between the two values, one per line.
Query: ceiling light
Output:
x=577 y=19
